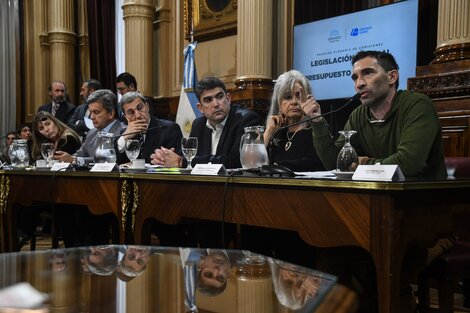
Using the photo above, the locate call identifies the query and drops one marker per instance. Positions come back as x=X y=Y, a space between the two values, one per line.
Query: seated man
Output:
x=103 y=112
x=153 y=133
x=218 y=131
x=393 y=127
x=77 y=122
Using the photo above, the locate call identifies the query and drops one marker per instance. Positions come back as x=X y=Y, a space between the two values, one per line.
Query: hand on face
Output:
x=134 y=128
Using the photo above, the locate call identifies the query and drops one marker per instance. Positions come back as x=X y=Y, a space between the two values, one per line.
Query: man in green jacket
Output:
x=393 y=126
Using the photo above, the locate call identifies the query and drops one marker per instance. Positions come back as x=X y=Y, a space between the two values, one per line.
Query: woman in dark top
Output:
x=47 y=128
x=291 y=147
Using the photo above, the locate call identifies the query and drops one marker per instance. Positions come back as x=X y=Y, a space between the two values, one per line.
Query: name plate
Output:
x=59 y=166
x=208 y=169
x=379 y=173
x=103 y=167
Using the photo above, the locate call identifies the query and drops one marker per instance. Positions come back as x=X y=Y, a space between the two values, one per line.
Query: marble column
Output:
x=62 y=42
x=163 y=64
x=254 y=40
x=254 y=82
x=138 y=19
x=453 y=31
x=84 y=47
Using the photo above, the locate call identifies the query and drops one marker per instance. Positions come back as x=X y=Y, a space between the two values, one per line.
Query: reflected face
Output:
x=215 y=269
x=48 y=129
x=136 y=258
x=25 y=133
x=290 y=104
x=300 y=284
x=57 y=92
x=136 y=110
x=214 y=105
x=372 y=81
x=10 y=139
x=98 y=114
x=98 y=254
x=58 y=262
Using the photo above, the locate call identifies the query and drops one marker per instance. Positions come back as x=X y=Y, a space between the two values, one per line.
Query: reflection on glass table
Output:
x=156 y=279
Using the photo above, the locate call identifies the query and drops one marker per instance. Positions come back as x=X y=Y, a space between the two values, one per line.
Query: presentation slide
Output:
x=323 y=49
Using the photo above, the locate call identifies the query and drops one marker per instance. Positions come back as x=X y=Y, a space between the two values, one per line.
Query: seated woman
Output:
x=47 y=128
x=291 y=147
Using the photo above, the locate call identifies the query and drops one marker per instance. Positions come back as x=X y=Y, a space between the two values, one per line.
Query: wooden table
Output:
x=383 y=218
x=100 y=192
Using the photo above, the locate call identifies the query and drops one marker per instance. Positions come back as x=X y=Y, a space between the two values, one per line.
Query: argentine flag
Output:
x=187 y=109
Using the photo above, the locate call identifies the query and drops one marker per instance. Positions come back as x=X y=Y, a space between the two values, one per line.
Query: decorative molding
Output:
x=205 y=22
x=4 y=192
x=442 y=85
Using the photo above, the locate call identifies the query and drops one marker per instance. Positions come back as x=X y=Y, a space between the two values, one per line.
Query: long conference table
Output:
x=384 y=218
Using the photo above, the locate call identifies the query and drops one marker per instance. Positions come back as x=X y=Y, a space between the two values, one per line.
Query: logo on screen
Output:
x=354 y=32
x=334 y=36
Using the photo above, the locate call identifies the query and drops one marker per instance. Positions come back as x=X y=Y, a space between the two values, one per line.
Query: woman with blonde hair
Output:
x=47 y=128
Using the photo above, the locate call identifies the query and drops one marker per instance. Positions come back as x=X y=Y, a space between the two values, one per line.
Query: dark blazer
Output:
x=228 y=149
x=161 y=133
x=77 y=122
x=64 y=112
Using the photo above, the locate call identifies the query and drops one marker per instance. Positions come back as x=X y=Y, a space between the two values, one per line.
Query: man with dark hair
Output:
x=393 y=126
x=126 y=82
x=219 y=130
x=58 y=106
x=77 y=121
x=4 y=157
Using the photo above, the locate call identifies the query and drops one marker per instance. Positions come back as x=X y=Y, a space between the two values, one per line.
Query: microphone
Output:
x=137 y=133
x=353 y=99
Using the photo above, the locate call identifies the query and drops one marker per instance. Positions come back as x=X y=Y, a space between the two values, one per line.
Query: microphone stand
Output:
x=353 y=99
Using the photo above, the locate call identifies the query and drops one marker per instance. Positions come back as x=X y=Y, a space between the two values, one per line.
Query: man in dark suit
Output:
x=219 y=130
x=153 y=133
x=58 y=106
x=77 y=121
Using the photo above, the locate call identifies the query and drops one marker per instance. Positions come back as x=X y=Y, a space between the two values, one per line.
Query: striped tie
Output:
x=190 y=286
x=55 y=107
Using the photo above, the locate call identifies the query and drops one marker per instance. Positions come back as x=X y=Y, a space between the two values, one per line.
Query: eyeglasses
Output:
x=121 y=88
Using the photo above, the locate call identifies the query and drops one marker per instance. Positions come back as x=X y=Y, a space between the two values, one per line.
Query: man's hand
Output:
x=165 y=157
x=311 y=108
x=62 y=156
x=134 y=128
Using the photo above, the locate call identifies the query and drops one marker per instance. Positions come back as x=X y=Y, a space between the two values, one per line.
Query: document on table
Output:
x=317 y=174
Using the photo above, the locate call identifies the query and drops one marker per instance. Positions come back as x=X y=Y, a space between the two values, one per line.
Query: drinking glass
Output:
x=347 y=160
x=132 y=149
x=189 y=148
x=47 y=151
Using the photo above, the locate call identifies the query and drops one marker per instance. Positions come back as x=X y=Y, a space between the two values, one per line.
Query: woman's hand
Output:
x=274 y=123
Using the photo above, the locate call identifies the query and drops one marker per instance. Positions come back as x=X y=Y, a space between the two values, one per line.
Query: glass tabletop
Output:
x=157 y=279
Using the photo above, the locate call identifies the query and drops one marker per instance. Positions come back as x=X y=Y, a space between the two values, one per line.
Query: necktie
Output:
x=55 y=107
x=141 y=139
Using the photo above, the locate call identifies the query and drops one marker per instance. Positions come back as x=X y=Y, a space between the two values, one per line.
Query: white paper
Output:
x=208 y=169
x=103 y=167
x=317 y=174
x=59 y=166
x=21 y=295
x=379 y=172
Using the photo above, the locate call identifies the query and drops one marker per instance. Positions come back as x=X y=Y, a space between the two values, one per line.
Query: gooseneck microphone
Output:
x=354 y=99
